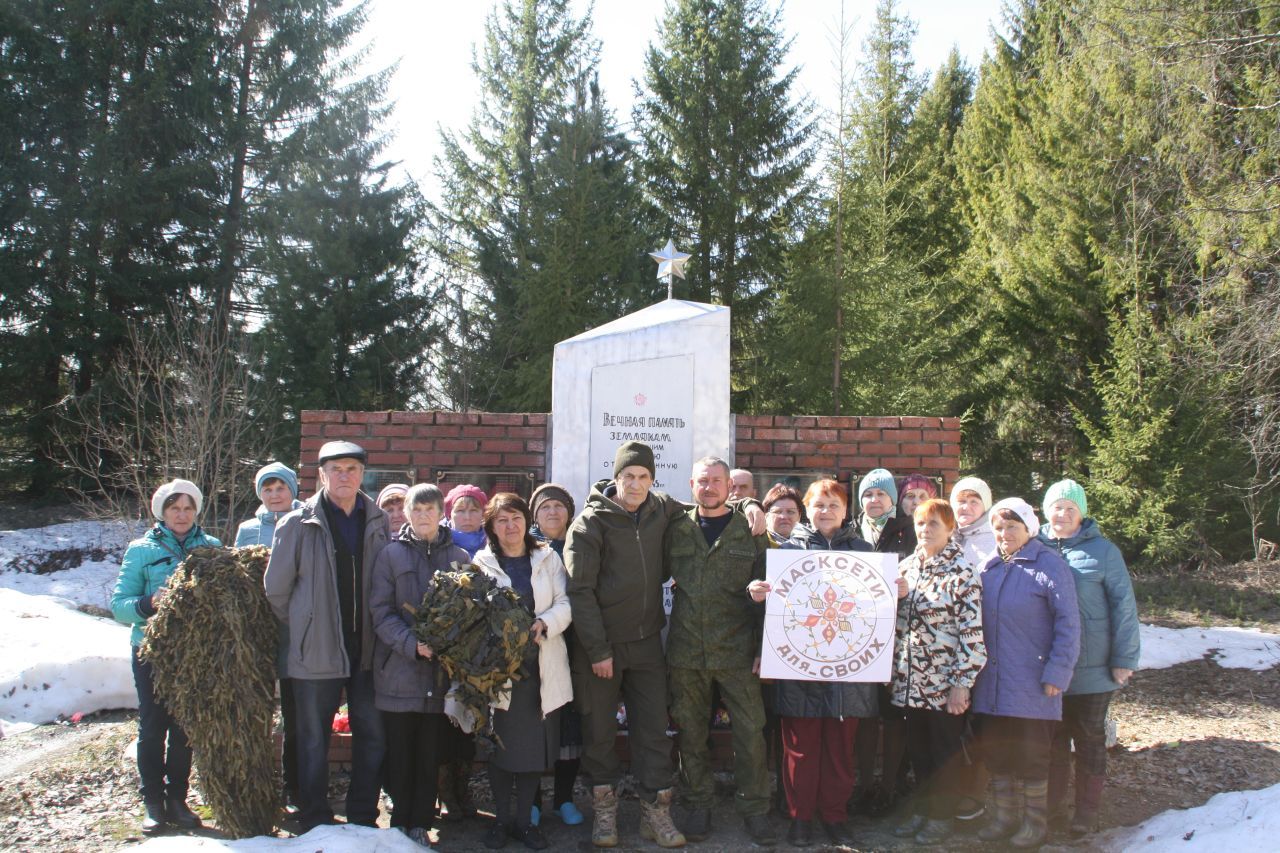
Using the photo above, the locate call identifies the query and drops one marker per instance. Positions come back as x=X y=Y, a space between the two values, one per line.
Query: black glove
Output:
x=146 y=609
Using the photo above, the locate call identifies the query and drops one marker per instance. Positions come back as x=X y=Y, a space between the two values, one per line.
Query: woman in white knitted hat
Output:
x=971 y=501
x=144 y=572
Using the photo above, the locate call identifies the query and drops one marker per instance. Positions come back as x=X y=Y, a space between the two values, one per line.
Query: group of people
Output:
x=1011 y=638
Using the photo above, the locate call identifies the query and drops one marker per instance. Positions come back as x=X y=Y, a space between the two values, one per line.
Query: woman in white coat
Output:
x=527 y=720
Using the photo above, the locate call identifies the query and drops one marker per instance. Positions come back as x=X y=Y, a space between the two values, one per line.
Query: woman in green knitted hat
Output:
x=1109 y=648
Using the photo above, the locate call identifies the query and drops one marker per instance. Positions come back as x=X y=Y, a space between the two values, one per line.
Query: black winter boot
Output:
x=176 y=810
x=153 y=819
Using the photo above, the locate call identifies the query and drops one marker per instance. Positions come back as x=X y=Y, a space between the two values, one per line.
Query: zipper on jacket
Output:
x=644 y=573
x=332 y=560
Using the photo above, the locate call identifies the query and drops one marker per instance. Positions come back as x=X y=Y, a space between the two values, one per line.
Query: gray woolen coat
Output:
x=302 y=587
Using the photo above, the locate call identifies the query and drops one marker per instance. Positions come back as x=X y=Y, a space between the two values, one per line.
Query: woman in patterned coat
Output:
x=937 y=655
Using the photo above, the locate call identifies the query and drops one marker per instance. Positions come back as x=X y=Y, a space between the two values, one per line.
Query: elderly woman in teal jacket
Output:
x=144 y=572
x=276 y=485
x=1109 y=649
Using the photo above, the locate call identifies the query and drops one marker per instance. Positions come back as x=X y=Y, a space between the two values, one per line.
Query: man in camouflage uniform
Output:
x=714 y=639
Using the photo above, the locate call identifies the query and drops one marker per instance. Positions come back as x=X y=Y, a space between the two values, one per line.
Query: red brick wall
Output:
x=429 y=441
x=841 y=445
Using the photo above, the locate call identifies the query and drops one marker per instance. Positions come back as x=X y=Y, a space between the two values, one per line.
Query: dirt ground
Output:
x=1186 y=733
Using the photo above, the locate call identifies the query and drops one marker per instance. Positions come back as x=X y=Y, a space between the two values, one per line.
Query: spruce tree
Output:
x=143 y=146
x=102 y=178
x=347 y=317
x=1038 y=202
x=725 y=145
x=884 y=301
x=538 y=234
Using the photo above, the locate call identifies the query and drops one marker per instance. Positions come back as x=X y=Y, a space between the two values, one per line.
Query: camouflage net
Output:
x=478 y=630
x=212 y=644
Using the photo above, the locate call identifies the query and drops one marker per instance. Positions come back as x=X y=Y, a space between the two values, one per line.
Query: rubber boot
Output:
x=655 y=821
x=1088 y=804
x=1035 y=816
x=1004 y=816
x=604 y=826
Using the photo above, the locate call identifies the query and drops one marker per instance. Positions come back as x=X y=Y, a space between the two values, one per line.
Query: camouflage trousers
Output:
x=691 y=709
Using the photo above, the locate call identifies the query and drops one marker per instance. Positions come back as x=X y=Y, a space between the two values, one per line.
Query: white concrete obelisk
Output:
x=659 y=375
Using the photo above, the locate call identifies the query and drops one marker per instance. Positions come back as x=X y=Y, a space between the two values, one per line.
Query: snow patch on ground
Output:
x=58 y=661
x=1239 y=820
x=90 y=550
x=347 y=838
x=1233 y=648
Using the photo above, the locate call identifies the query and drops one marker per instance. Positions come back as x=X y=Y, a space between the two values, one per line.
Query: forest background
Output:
x=1073 y=246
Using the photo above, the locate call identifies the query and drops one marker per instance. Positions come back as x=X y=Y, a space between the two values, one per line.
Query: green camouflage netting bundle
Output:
x=212 y=643
x=478 y=630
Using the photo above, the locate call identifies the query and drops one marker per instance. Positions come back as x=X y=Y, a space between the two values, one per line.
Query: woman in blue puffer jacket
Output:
x=1031 y=625
x=1109 y=650
x=144 y=572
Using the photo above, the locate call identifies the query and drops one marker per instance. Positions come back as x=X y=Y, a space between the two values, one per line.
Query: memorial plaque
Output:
x=649 y=401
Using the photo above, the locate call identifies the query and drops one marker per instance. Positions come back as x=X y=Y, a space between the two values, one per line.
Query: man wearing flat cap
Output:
x=317 y=582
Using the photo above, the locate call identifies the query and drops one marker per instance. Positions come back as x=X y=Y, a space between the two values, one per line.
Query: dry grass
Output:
x=1245 y=594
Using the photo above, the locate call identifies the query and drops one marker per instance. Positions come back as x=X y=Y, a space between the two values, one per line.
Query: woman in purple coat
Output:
x=1031 y=624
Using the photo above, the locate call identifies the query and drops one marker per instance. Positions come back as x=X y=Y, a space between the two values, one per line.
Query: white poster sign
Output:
x=649 y=401
x=830 y=615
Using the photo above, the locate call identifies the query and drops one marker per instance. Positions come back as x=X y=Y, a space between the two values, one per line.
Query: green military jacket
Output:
x=714 y=622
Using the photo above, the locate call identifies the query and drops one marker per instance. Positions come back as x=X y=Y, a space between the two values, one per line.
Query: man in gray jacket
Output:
x=317 y=582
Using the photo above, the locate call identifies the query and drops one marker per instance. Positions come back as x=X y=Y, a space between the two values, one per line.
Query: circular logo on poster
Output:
x=832 y=605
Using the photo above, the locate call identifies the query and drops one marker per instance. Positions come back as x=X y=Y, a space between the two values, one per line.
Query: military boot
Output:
x=697 y=825
x=655 y=821
x=1003 y=818
x=1035 y=817
x=604 y=828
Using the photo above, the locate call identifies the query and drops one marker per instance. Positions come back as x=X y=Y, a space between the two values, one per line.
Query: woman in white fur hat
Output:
x=144 y=572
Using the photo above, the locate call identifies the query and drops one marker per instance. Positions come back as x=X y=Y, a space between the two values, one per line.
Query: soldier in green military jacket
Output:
x=714 y=639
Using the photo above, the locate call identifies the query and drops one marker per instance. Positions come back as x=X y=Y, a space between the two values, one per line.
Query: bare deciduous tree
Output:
x=180 y=401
